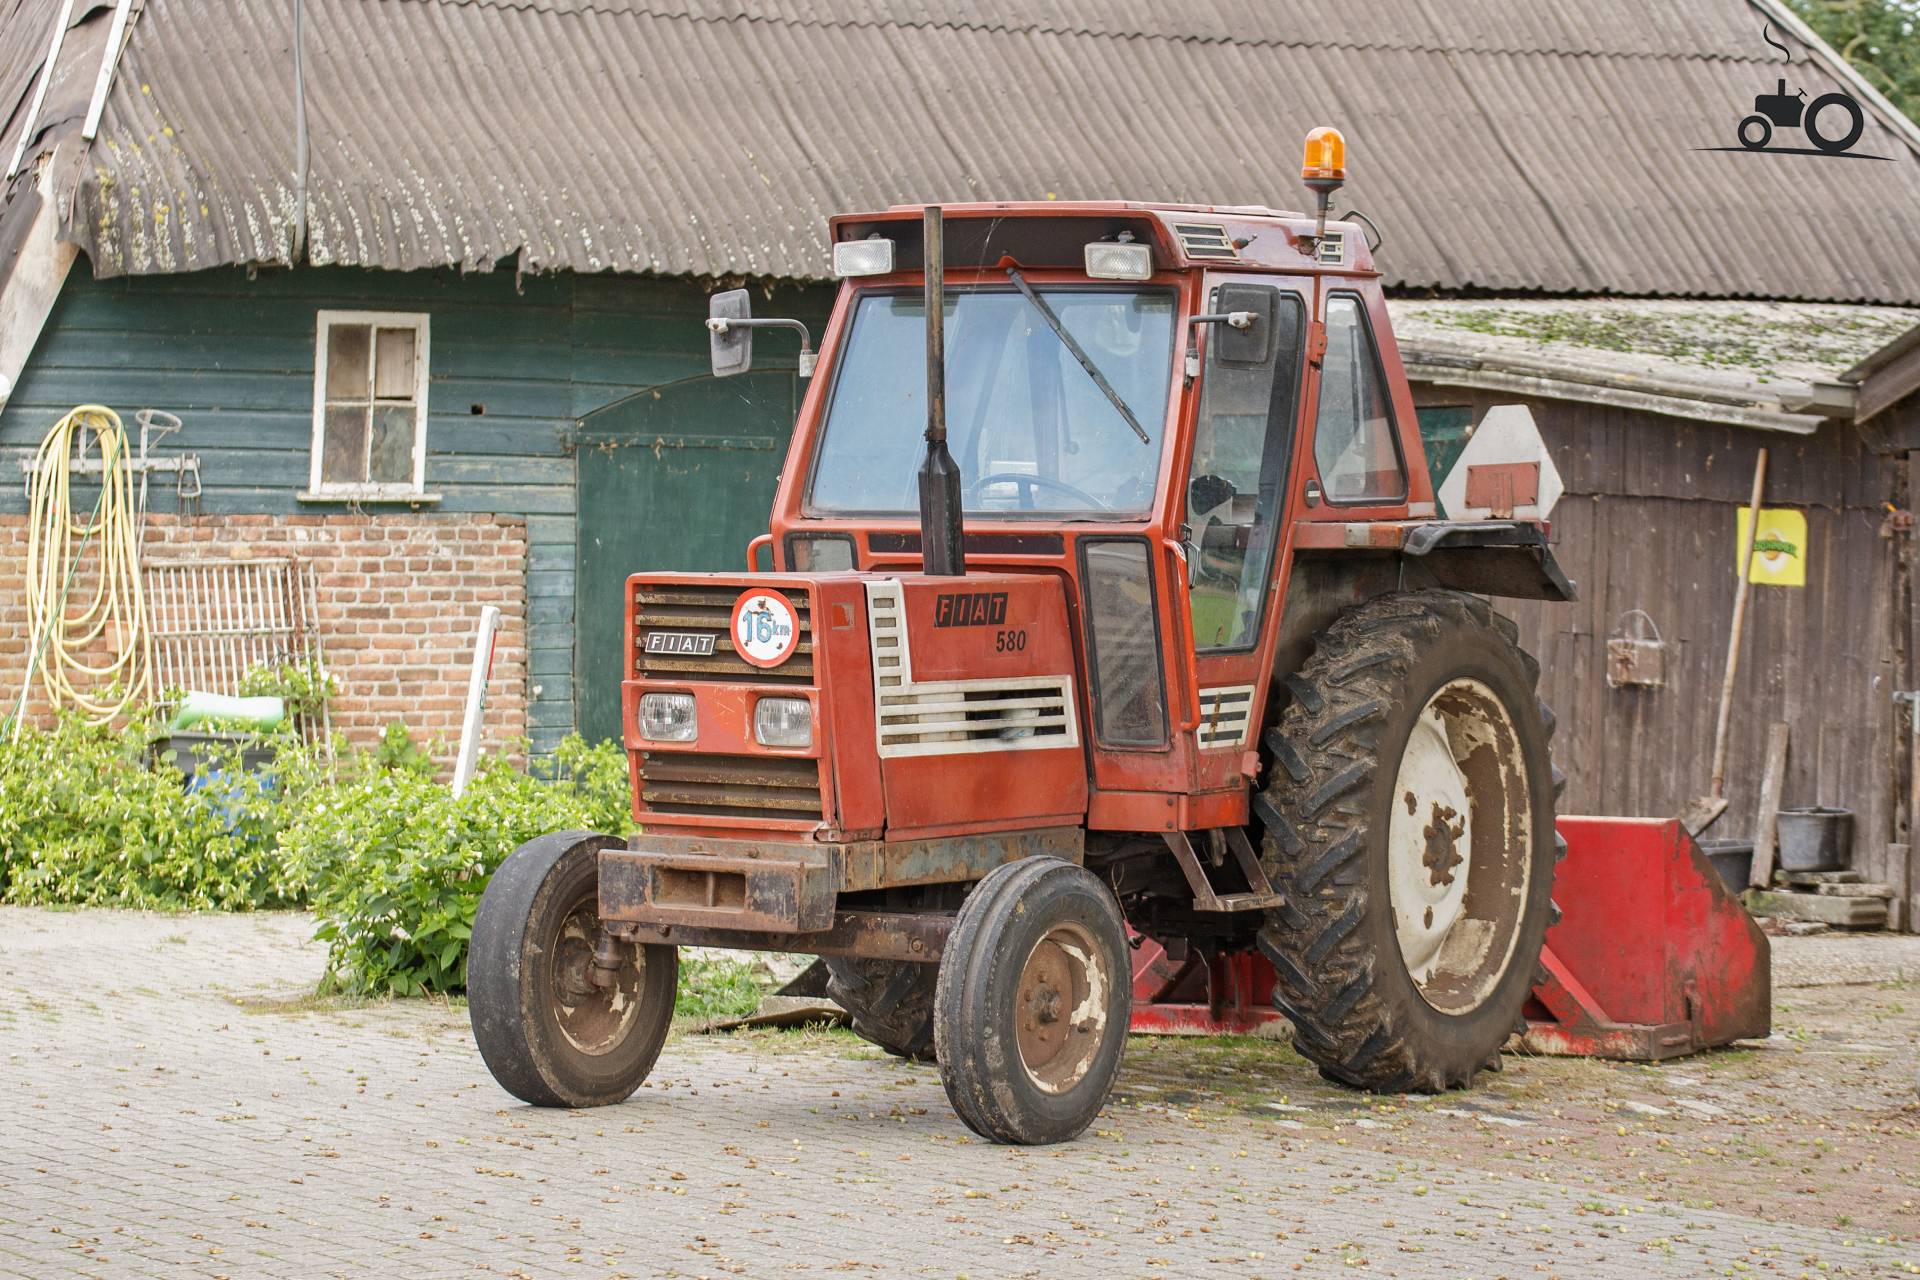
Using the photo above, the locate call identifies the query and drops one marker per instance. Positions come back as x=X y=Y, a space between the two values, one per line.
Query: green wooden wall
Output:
x=515 y=365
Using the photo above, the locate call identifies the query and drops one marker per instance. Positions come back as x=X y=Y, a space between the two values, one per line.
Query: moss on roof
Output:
x=1759 y=338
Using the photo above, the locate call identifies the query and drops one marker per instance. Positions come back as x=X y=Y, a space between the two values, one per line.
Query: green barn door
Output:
x=679 y=477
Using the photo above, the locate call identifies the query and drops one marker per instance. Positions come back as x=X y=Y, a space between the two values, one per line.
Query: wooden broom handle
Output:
x=1719 y=786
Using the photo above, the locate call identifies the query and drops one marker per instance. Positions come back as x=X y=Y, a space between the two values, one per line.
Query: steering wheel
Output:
x=1028 y=483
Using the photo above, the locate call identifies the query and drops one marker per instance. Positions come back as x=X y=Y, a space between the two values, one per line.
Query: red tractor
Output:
x=1154 y=628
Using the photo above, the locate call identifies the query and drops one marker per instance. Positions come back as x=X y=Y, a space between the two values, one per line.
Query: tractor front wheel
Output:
x=1409 y=813
x=1032 y=1002
x=565 y=1015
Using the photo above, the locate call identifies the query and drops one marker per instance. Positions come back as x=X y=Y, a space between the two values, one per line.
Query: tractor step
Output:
x=1248 y=901
x=1260 y=895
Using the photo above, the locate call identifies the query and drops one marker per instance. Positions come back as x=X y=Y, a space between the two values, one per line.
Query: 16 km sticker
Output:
x=765 y=628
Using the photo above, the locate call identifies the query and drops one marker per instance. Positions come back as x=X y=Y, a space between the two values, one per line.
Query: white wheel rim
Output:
x=595 y=1020
x=1431 y=845
x=1458 y=846
x=1060 y=1008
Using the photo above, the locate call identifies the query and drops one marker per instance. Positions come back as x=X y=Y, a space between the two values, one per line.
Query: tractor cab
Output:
x=1155 y=410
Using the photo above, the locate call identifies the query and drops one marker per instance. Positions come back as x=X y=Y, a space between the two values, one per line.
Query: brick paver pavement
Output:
x=158 y=1122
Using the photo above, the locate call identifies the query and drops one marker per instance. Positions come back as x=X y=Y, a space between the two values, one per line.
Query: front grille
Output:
x=704 y=611
x=938 y=719
x=951 y=717
x=692 y=782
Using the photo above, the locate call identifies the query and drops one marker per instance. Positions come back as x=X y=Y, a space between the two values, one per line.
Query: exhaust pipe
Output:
x=941 y=532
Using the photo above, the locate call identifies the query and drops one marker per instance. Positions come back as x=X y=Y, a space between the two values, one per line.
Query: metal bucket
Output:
x=1815 y=838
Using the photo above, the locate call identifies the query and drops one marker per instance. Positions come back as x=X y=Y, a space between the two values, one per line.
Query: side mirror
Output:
x=730 y=326
x=1245 y=344
x=732 y=343
x=1244 y=314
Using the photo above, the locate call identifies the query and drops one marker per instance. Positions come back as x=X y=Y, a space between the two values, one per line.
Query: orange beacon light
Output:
x=1326 y=157
x=1323 y=168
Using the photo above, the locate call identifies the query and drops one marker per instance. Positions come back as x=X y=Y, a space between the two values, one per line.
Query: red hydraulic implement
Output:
x=1226 y=994
x=1653 y=958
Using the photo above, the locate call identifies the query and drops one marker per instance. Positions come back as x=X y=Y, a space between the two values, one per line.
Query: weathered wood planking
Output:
x=1648 y=522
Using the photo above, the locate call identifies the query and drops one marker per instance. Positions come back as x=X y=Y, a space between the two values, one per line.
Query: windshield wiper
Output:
x=1079 y=353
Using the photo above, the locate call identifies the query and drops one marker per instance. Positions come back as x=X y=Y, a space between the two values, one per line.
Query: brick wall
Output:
x=398 y=599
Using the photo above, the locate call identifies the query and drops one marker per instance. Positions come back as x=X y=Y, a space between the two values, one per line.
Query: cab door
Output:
x=1233 y=533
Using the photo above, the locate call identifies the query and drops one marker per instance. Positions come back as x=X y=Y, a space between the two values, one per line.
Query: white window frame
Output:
x=413 y=491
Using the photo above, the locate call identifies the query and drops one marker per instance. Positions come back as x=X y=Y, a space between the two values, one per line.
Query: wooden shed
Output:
x=1655 y=413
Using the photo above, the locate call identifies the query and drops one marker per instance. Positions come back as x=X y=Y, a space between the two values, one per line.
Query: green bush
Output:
x=305 y=687
x=83 y=820
x=390 y=862
x=395 y=865
x=597 y=776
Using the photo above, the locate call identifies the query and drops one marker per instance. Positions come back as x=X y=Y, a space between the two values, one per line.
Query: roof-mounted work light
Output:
x=1119 y=259
x=869 y=257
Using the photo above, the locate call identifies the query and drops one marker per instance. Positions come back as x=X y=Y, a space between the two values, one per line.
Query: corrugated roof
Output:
x=1771 y=365
x=1502 y=145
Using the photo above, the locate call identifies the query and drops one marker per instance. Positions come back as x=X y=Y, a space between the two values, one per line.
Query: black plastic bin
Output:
x=1733 y=859
x=194 y=752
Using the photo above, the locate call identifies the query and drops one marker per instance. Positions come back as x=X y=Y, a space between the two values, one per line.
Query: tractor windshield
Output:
x=1031 y=430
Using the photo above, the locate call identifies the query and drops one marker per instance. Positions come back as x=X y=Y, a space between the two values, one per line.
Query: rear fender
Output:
x=1490 y=558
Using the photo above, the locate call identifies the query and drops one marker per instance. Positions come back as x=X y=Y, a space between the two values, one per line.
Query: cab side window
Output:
x=1353 y=438
x=1240 y=459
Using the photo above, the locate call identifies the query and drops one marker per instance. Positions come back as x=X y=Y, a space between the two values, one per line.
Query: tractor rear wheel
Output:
x=890 y=1002
x=1032 y=1002
x=564 y=1015
x=1409 y=810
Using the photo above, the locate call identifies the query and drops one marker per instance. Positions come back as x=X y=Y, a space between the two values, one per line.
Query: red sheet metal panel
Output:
x=1653 y=958
x=1221 y=995
x=978 y=712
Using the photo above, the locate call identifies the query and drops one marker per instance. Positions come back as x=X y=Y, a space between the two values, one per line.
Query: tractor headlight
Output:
x=668 y=717
x=873 y=257
x=1110 y=260
x=783 y=722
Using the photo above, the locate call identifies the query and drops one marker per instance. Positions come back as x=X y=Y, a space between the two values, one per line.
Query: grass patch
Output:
x=823 y=1037
x=715 y=988
x=309 y=1002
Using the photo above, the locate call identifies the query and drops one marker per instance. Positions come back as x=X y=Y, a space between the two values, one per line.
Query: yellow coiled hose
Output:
x=62 y=632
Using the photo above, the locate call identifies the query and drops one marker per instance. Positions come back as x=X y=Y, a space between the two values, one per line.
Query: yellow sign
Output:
x=1779 y=547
